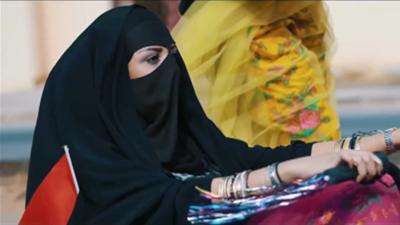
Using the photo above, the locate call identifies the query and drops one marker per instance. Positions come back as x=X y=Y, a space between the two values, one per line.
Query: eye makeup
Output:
x=152 y=59
x=150 y=55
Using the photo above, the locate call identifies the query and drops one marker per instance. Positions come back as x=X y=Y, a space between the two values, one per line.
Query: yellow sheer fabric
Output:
x=260 y=68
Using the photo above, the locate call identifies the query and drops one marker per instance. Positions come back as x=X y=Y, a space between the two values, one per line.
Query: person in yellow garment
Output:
x=261 y=68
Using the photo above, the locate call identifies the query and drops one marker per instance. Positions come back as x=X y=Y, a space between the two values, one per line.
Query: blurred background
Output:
x=34 y=34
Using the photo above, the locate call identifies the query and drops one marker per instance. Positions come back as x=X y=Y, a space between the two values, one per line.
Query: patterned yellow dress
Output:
x=261 y=69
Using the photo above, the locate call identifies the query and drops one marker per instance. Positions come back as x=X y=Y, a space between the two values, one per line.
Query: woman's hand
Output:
x=367 y=164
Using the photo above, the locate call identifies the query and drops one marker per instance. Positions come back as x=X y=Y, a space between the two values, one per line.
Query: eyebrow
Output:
x=156 y=49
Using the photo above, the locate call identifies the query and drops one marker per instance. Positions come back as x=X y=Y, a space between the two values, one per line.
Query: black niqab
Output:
x=90 y=104
x=157 y=103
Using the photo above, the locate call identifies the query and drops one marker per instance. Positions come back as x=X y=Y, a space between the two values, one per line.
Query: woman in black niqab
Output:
x=127 y=138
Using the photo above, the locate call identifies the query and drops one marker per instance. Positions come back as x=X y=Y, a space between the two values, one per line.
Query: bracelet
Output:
x=353 y=142
x=387 y=134
x=273 y=174
x=336 y=146
x=233 y=186
x=220 y=188
x=244 y=183
x=341 y=144
x=236 y=186
x=357 y=146
x=225 y=188
x=346 y=144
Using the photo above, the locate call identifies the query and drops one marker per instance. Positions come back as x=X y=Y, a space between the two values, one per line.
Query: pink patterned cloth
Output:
x=347 y=203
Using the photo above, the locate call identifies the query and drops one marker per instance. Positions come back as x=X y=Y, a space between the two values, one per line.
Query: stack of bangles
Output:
x=353 y=142
x=235 y=186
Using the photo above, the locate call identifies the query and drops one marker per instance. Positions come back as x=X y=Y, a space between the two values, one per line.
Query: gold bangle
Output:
x=346 y=144
x=201 y=190
x=336 y=147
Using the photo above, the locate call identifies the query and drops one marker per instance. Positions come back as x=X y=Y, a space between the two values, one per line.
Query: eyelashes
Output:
x=153 y=55
x=153 y=59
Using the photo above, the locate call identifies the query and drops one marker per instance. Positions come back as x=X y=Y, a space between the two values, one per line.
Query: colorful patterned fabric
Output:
x=261 y=68
x=294 y=104
x=347 y=203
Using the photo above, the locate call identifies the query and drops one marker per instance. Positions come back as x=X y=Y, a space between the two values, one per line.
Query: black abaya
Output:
x=88 y=104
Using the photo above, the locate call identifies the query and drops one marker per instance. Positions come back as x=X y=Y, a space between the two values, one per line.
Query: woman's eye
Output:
x=154 y=59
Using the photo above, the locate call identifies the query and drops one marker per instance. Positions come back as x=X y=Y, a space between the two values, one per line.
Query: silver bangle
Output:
x=238 y=188
x=357 y=146
x=221 y=187
x=229 y=186
x=273 y=174
x=225 y=193
x=244 y=183
x=387 y=134
x=235 y=187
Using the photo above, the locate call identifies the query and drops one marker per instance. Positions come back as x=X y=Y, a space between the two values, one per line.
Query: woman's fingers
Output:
x=375 y=165
x=347 y=157
x=361 y=168
x=378 y=164
x=368 y=165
